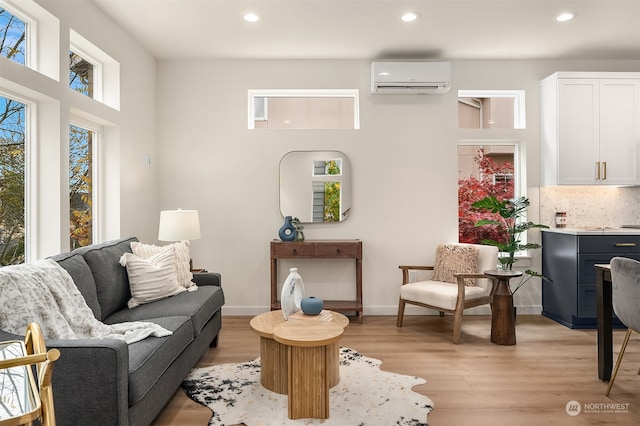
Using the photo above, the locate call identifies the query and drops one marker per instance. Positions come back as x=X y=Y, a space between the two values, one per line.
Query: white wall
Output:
x=403 y=160
x=130 y=187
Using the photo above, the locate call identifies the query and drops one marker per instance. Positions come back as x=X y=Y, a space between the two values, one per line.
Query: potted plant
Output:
x=511 y=226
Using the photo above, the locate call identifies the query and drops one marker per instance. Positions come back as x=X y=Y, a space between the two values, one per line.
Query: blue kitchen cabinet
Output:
x=568 y=259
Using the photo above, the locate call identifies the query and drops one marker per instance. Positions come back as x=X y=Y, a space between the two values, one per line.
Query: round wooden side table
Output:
x=273 y=355
x=503 y=324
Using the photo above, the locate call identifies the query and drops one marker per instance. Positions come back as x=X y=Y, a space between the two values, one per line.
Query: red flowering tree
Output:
x=493 y=181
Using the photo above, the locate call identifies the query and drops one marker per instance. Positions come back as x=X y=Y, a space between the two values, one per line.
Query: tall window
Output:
x=12 y=36
x=483 y=170
x=81 y=142
x=81 y=74
x=12 y=181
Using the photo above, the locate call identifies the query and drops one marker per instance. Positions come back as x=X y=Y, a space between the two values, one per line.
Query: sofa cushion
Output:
x=76 y=266
x=112 y=283
x=199 y=305
x=151 y=357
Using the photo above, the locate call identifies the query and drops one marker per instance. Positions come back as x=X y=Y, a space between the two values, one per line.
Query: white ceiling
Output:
x=372 y=29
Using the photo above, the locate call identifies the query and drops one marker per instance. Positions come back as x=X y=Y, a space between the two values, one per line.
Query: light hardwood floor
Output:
x=475 y=383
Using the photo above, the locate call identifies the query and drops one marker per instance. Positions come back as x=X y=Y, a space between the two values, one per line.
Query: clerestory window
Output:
x=303 y=109
x=13 y=33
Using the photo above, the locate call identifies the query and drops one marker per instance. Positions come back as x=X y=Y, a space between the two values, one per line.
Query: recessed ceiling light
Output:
x=251 y=17
x=410 y=16
x=564 y=17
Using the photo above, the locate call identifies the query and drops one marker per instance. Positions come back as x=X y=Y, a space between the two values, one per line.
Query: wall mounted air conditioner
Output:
x=410 y=78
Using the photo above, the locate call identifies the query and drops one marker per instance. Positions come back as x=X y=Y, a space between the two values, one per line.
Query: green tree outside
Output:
x=332 y=193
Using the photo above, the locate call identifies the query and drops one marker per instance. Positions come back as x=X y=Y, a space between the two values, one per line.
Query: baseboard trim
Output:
x=384 y=310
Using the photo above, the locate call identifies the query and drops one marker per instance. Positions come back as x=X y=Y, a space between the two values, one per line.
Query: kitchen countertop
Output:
x=593 y=230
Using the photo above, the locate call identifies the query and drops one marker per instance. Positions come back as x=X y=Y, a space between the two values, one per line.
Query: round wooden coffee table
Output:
x=273 y=355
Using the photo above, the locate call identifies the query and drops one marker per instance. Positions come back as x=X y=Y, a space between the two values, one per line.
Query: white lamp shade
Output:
x=179 y=225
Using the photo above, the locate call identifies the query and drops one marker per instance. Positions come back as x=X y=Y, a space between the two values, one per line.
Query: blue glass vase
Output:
x=311 y=305
x=287 y=231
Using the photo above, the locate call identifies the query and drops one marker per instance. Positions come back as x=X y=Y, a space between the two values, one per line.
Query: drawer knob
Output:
x=295 y=251
x=338 y=251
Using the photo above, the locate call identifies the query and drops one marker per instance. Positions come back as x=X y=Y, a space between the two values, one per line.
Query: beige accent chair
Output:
x=464 y=286
x=625 y=286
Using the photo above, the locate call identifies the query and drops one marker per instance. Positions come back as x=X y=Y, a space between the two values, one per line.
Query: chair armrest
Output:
x=207 y=278
x=471 y=275
x=418 y=268
x=407 y=268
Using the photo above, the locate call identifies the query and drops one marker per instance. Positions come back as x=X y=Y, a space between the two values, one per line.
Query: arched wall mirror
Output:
x=315 y=186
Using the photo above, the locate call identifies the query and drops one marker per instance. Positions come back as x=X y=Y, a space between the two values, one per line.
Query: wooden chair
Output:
x=464 y=284
x=37 y=354
x=625 y=288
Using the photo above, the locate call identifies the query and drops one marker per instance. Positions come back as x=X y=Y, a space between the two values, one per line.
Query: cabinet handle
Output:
x=604 y=167
x=597 y=170
x=625 y=244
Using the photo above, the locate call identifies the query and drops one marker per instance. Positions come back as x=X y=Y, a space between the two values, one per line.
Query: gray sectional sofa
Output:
x=107 y=382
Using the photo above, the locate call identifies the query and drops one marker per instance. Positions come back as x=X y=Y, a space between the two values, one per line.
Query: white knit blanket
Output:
x=44 y=292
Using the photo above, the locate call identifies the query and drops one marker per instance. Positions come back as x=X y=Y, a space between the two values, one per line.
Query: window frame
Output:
x=519 y=168
x=519 y=110
x=42 y=36
x=302 y=93
x=97 y=72
x=30 y=171
x=30 y=32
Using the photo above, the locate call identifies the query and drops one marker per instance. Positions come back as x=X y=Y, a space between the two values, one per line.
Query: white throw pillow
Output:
x=183 y=259
x=153 y=278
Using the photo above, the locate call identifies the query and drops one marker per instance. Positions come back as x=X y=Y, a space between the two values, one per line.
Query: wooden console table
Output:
x=320 y=249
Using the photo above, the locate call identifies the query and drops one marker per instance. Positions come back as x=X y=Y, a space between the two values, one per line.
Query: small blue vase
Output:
x=311 y=305
x=287 y=231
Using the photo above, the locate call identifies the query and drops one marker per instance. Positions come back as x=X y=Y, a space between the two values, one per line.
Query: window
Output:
x=12 y=181
x=92 y=72
x=81 y=74
x=491 y=109
x=483 y=170
x=303 y=109
x=326 y=193
x=81 y=194
x=30 y=36
x=13 y=32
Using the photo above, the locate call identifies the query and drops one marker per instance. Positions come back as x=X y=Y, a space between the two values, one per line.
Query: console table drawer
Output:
x=338 y=250
x=291 y=250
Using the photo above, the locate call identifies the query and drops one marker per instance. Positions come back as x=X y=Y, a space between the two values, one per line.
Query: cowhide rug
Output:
x=365 y=396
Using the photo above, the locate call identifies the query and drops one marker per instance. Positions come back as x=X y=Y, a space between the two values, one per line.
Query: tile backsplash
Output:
x=591 y=205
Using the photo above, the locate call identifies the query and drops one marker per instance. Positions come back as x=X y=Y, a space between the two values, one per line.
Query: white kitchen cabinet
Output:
x=590 y=129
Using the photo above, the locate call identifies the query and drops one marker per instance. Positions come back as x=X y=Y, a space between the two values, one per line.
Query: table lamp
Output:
x=179 y=225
